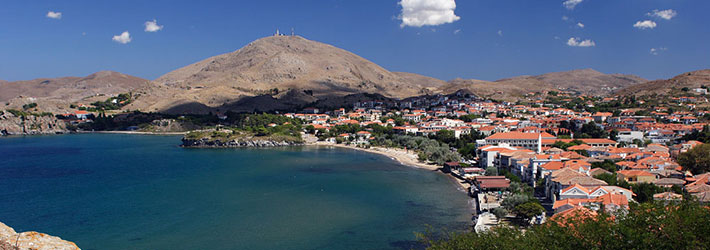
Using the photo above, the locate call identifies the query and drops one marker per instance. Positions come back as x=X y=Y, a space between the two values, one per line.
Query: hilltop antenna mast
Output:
x=292 y=33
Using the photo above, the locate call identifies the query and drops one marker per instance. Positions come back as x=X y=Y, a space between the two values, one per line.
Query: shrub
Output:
x=29 y=106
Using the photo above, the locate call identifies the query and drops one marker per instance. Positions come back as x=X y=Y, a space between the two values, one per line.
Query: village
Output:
x=523 y=163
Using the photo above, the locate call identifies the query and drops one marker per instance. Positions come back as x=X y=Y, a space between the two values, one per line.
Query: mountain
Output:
x=690 y=80
x=57 y=92
x=274 y=69
x=583 y=81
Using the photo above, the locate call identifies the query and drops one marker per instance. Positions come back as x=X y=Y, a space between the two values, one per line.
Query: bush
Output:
x=646 y=226
x=499 y=212
x=492 y=171
x=528 y=210
x=516 y=199
x=696 y=160
x=29 y=106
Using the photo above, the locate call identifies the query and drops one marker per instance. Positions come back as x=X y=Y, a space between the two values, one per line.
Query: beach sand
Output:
x=404 y=157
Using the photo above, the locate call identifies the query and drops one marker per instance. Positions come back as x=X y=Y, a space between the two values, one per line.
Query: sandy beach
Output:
x=407 y=158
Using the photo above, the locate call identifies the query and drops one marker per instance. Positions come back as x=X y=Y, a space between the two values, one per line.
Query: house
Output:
x=488 y=154
x=600 y=117
x=667 y=196
x=609 y=202
x=565 y=177
x=629 y=136
x=635 y=176
x=490 y=183
x=530 y=141
x=451 y=166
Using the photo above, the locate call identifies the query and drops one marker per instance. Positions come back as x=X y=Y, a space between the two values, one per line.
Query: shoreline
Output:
x=131 y=132
x=402 y=157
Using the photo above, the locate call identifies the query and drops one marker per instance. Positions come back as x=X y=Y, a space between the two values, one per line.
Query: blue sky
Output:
x=480 y=39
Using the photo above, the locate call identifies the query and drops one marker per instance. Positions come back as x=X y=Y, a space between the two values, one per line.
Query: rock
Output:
x=31 y=125
x=236 y=143
x=11 y=240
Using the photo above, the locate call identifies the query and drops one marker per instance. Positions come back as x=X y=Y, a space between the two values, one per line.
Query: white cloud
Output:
x=665 y=14
x=656 y=51
x=457 y=31
x=418 y=13
x=647 y=24
x=570 y=4
x=581 y=25
x=123 y=38
x=152 y=26
x=500 y=33
x=54 y=15
x=576 y=42
x=565 y=18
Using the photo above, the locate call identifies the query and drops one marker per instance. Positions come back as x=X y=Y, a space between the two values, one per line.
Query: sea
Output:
x=118 y=191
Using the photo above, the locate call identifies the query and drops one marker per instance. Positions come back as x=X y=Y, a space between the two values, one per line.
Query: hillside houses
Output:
x=558 y=150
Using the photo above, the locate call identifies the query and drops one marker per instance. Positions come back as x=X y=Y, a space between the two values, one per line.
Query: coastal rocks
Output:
x=31 y=125
x=11 y=240
x=237 y=143
x=172 y=125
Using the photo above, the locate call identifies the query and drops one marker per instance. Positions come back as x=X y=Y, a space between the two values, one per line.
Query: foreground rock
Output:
x=11 y=240
x=31 y=125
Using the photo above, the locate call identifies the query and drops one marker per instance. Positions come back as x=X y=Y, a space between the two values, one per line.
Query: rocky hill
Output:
x=30 y=125
x=272 y=71
x=584 y=81
x=54 y=93
x=690 y=80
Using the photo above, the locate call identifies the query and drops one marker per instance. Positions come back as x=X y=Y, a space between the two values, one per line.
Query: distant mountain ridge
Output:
x=584 y=81
x=691 y=80
x=64 y=90
x=287 y=72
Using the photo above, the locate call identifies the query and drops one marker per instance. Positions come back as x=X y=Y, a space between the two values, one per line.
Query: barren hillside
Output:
x=272 y=66
x=694 y=79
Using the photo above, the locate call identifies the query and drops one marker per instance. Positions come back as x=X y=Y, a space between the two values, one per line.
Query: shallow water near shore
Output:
x=113 y=191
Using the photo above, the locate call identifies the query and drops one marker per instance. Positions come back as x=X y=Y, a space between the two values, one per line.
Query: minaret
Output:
x=539 y=143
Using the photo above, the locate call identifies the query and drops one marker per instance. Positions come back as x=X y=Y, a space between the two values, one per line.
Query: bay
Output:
x=113 y=191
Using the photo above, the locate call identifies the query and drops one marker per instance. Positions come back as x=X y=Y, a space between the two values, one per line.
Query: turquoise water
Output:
x=143 y=192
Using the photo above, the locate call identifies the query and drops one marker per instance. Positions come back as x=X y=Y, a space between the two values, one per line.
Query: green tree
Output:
x=492 y=171
x=607 y=165
x=499 y=212
x=445 y=136
x=516 y=199
x=528 y=210
x=696 y=160
x=608 y=178
x=468 y=151
x=646 y=226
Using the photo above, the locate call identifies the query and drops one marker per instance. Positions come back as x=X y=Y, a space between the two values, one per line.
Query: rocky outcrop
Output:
x=11 y=240
x=31 y=125
x=236 y=143
x=171 y=125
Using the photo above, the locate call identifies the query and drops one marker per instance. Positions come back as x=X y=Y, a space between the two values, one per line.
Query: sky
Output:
x=446 y=39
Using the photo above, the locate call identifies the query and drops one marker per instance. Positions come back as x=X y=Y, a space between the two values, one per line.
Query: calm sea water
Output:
x=143 y=192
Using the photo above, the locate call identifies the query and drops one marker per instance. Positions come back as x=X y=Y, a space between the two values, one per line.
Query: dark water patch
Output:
x=407 y=244
x=25 y=151
x=320 y=170
x=29 y=172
